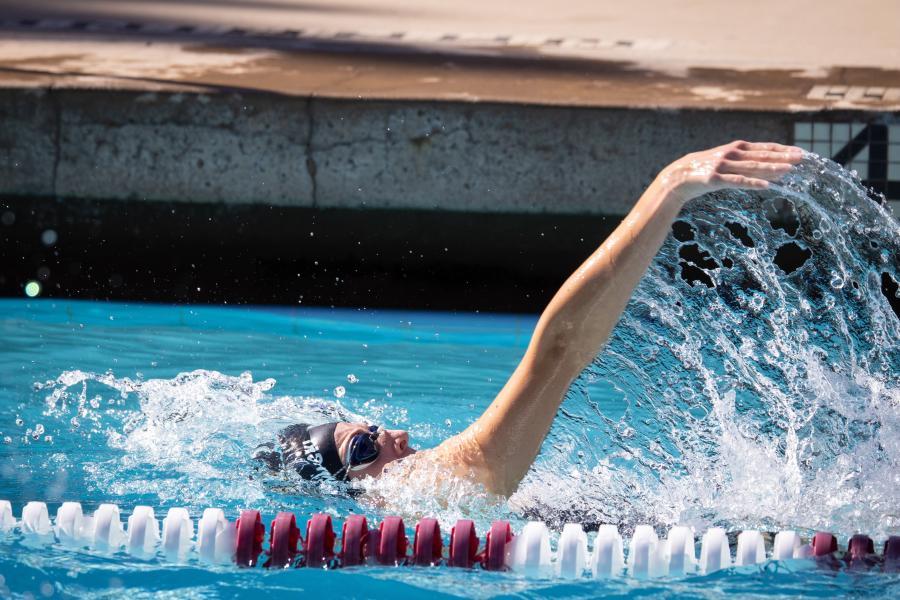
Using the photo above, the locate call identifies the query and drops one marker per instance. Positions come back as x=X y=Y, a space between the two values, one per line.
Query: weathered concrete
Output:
x=188 y=147
x=256 y=148
x=28 y=141
x=502 y=158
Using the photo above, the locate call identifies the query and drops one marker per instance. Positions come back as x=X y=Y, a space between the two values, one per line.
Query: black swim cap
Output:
x=310 y=450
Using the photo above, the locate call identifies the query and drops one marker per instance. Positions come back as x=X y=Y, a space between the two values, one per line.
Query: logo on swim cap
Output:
x=311 y=451
x=312 y=456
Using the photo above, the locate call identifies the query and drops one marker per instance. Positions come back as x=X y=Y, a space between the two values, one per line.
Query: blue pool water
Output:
x=769 y=400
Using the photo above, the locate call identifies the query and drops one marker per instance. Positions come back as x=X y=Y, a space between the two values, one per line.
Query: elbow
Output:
x=558 y=344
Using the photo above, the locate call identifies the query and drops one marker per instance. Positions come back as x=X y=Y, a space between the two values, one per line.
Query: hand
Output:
x=738 y=165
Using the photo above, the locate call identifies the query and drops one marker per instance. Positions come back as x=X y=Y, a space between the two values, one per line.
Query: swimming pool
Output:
x=767 y=400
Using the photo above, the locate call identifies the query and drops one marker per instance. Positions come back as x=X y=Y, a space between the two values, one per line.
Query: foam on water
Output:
x=191 y=437
x=758 y=394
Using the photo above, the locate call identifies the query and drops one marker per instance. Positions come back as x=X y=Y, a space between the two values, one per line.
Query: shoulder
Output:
x=463 y=457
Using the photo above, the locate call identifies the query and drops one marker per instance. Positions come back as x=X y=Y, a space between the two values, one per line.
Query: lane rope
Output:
x=243 y=542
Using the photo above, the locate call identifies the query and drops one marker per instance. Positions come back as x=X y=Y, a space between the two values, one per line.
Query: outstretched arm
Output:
x=502 y=444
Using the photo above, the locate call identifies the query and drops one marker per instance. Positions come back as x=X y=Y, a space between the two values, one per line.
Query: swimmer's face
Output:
x=393 y=444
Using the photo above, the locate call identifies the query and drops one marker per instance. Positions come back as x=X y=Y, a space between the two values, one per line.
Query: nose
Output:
x=401 y=440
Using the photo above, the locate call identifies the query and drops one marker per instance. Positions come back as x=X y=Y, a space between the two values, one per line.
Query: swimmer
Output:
x=498 y=449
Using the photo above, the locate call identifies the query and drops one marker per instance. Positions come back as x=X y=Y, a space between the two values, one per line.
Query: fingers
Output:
x=742 y=182
x=791 y=156
x=756 y=169
x=767 y=146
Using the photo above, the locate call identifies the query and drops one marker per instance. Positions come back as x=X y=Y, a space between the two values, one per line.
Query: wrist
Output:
x=670 y=186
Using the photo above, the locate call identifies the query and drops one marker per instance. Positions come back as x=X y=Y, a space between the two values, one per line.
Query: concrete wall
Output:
x=237 y=148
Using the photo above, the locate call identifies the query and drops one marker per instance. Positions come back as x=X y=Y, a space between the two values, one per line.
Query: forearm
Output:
x=584 y=311
x=570 y=332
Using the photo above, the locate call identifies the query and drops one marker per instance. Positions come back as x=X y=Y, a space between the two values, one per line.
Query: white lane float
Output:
x=69 y=524
x=646 y=556
x=750 y=549
x=571 y=552
x=786 y=546
x=531 y=550
x=36 y=520
x=608 y=557
x=106 y=532
x=143 y=532
x=680 y=551
x=178 y=534
x=7 y=520
x=215 y=537
x=714 y=551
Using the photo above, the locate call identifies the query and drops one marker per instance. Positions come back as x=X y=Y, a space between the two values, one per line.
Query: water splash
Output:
x=189 y=439
x=758 y=368
x=418 y=487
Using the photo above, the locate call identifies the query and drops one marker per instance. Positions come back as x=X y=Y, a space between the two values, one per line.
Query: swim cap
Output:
x=310 y=450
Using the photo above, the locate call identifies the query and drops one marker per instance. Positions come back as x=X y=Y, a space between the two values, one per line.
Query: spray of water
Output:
x=190 y=439
x=757 y=369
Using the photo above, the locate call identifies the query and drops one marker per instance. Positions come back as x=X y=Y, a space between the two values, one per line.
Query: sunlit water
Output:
x=768 y=400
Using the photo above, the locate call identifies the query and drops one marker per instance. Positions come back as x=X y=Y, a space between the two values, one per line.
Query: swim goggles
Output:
x=363 y=450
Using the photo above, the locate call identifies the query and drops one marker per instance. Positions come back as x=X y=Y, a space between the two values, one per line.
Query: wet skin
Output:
x=499 y=447
x=393 y=444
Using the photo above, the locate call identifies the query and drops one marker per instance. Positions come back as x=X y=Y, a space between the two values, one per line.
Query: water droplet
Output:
x=19 y=421
x=352 y=378
x=757 y=301
x=837 y=282
x=339 y=391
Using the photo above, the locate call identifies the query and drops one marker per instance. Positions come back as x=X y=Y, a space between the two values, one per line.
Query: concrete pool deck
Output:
x=547 y=117
x=474 y=109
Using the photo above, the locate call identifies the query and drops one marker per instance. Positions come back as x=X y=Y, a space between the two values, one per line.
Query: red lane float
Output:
x=892 y=554
x=824 y=543
x=860 y=552
x=249 y=538
x=354 y=539
x=495 y=545
x=428 y=547
x=392 y=543
x=463 y=544
x=860 y=546
x=318 y=548
x=283 y=538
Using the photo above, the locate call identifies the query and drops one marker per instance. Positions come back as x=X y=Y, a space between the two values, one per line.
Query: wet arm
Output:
x=502 y=444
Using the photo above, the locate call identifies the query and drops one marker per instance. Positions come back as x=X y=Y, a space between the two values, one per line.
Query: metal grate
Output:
x=870 y=149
